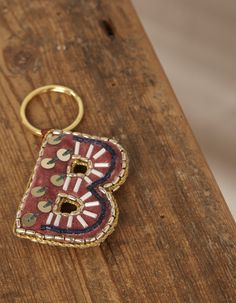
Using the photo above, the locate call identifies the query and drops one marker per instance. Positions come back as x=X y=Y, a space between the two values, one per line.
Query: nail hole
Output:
x=67 y=207
x=162 y=216
x=108 y=28
x=79 y=167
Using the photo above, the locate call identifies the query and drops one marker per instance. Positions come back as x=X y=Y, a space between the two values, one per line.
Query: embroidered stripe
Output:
x=86 y=196
x=49 y=219
x=97 y=173
x=90 y=150
x=101 y=164
x=77 y=185
x=67 y=182
x=57 y=220
x=77 y=146
x=69 y=221
x=82 y=221
x=90 y=214
x=99 y=153
x=91 y=204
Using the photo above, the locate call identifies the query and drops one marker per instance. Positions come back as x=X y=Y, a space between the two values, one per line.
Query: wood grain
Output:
x=175 y=241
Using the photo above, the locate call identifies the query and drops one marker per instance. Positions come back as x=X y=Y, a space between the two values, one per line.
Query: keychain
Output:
x=68 y=200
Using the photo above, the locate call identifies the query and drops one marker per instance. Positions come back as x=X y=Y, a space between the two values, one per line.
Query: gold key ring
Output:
x=45 y=89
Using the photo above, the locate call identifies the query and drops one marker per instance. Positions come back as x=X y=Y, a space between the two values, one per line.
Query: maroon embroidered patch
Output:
x=68 y=201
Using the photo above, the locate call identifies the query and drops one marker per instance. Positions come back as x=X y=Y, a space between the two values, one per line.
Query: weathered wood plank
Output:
x=175 y=241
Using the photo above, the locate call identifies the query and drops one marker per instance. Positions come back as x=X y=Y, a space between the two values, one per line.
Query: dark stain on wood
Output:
x=108 y=28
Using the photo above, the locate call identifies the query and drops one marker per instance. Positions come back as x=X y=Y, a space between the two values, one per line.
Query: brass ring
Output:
x=45 y=89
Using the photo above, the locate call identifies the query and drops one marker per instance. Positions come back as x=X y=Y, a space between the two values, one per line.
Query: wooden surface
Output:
x=195 y=43
x=175 y=241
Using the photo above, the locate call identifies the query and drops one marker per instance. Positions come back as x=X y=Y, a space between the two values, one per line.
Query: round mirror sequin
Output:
x=38 y=191
x=47 y=163
x=53 y=140
x=45 y=206
x=63 y=154
x=57 y=180
x=28 y=219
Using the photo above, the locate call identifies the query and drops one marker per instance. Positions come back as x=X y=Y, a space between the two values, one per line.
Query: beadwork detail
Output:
x=68 y=201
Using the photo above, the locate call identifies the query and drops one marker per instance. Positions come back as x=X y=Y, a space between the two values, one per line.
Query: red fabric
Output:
x=42 y=178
